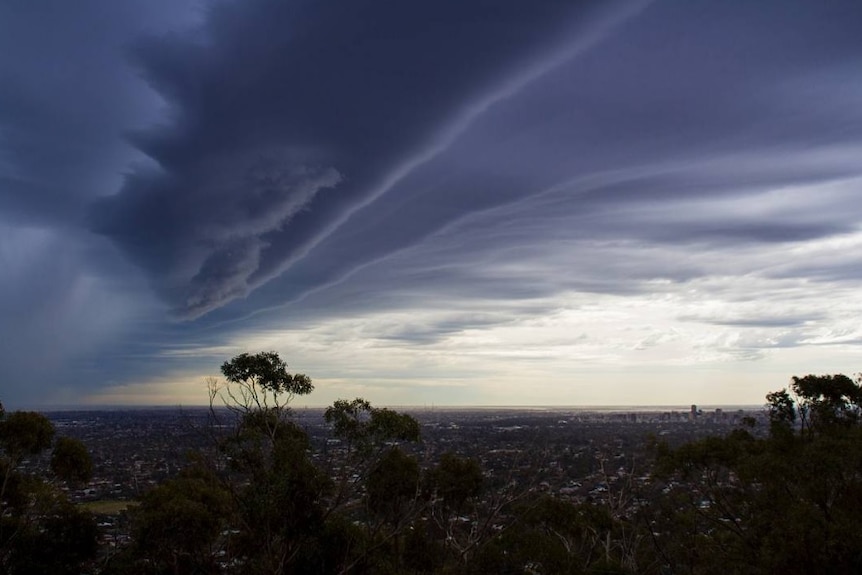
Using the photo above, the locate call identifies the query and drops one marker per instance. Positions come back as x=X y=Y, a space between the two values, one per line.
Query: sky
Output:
x=471 y=202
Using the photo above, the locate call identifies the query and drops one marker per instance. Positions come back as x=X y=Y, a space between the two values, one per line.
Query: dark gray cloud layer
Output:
x=286 y=116
x=260 y=164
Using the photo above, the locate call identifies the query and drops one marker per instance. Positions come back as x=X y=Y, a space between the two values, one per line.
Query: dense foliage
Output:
x=40 y=530
x=788 y=503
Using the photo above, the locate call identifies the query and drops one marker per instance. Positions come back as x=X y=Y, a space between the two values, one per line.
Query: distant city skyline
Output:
x=553 y=203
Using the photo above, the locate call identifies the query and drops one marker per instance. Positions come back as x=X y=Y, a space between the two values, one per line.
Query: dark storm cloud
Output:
x=66 y=93
x=66 y=96
x=304 y=109
x=60 y=323
x=688 y=115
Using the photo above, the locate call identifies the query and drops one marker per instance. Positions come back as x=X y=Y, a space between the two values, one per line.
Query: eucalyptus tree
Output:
x=266 y=503
x=41 y=531
x=784 y=503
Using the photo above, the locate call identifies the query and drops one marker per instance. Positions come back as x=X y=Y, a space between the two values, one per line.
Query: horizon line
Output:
x=416 y=407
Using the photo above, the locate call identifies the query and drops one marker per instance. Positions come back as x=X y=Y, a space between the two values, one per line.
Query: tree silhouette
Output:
x=40 y=530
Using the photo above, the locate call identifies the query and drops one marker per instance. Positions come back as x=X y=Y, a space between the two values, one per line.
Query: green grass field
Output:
x=108 y=507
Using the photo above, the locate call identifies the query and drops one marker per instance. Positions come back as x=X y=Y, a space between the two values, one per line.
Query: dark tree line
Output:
x=788 y=503
x=264 y=501
x=41 y=531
